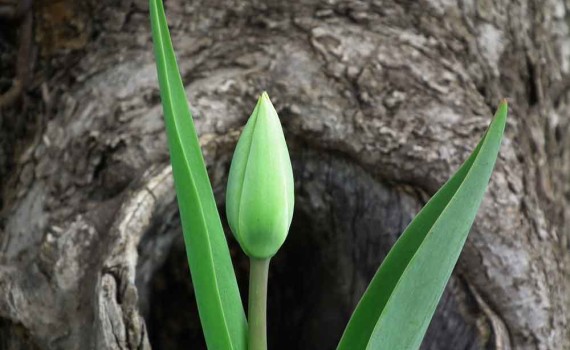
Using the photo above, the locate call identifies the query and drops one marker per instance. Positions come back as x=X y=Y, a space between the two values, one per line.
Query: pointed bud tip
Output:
x=264 y=98
x=266 y=108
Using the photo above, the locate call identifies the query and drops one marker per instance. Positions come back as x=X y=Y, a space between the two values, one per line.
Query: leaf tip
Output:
x=503 y=108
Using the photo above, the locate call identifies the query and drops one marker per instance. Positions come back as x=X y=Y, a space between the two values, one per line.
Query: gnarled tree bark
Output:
x=380 y=100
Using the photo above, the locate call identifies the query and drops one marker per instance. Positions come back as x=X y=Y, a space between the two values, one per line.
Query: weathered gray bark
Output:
x=381 y=101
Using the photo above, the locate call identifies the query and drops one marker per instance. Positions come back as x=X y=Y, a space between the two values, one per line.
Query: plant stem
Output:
x=258 y=275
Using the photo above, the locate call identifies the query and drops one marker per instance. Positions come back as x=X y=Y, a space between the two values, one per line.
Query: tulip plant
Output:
x=397 y=306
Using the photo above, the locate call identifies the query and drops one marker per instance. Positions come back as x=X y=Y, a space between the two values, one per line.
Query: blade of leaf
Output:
x=399 y=303
x=217 y=294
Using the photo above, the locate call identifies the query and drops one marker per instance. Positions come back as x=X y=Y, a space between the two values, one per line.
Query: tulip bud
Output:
x=260 y=194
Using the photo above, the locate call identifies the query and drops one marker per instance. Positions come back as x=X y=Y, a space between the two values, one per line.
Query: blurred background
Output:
x=380 y=101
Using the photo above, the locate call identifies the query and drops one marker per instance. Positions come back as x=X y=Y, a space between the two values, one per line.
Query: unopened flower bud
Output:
x=260 y=194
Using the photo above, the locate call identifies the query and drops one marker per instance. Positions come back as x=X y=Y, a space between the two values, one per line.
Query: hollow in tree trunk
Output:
x=380 y=100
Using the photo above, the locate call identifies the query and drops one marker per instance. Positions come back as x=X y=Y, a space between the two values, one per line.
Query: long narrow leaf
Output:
x=219 y=303
x=397 y=307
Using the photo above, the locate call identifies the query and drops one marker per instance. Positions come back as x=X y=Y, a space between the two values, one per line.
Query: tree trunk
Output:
x=380 y=100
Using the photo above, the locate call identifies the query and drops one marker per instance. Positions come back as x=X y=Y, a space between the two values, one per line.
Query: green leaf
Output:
x=400 y=301
x=217 y=294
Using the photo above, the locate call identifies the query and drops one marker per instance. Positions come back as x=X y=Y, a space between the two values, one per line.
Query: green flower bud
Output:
x=260 y=194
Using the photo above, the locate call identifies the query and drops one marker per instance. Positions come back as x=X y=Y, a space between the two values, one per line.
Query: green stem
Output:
x=258 y=275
